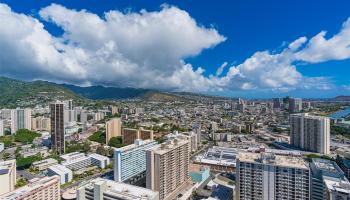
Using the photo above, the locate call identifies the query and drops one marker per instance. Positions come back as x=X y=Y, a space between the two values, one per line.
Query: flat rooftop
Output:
x=33 y=185
x=122 y=190
x=60 y=169
x=272 y=159
x=133 y=146
x=168 y=146
x=220 y=156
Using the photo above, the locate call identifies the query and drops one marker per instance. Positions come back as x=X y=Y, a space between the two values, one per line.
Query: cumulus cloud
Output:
x=142 y=49
x=320 y=49
x=147 y=50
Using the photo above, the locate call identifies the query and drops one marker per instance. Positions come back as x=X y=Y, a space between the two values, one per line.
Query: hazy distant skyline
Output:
x=235 y=48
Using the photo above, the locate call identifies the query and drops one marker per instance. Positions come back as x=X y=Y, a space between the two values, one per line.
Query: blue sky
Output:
x=248 y=27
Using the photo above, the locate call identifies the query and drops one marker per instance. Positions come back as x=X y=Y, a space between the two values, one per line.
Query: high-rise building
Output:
x=2 y=133
x=167 y=167
x=101 y=189
x=277 y=103
x=114 y=110
x=47 y=188
x=57 y=127
x=113 y=128
x=130 y=161
x=190 y=136
x=272 y=177
x=197 y=129
x=310 y=133
x=7 y=176
x=70 y=114
x=41 y=124
x=21 y=119
x=295 y=104
x=328 y=181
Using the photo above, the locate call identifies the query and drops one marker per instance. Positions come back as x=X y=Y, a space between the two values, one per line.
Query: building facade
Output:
x=57 y=127
x=113 y=128
x=295 y=105
x=65 y=174
x=21 y=119
x=47 y=188
x=130 y=135
x=7 y=176
x=310 y=133
x=130 y=161
x=167 y=167
x=328 y=181
x=272 y=177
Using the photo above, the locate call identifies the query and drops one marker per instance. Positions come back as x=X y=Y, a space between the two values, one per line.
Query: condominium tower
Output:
x=113 y=128
x=57 y=127
x=130 y=161
x=310 y=133
x=328 y=181
x=167 y=167
x=2 y=133
x=272 y=177
x=21 y=119
x=295 y=104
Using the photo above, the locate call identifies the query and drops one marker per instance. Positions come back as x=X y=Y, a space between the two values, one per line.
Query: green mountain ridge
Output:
x=13 y=91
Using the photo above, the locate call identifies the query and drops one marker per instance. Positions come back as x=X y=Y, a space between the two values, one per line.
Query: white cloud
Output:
x=320 y=49
x=147 y=50
x=143 y=49
x=221 y=68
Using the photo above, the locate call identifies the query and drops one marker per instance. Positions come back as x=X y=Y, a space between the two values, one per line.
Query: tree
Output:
x=116 y=142
x=6 y=156
x=21 y=182
x=98 y=136
x=26 y=136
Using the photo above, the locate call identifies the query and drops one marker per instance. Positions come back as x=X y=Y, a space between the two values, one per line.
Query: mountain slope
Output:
x=101 y=92
x=13 y=91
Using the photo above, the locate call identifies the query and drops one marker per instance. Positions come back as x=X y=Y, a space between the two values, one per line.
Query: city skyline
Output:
x=251 y=49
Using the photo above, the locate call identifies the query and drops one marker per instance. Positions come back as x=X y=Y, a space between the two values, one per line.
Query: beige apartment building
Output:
x=46 y=188
x=113 y=128
x=7 y=176
x=41 y=124
x=167 y=167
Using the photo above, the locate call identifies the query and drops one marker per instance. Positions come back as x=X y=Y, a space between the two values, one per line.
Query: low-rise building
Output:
x=199 y=173
x=44 y=164
x=76 y=161
x=100 y=189
x=65 y=174
x=99 y=160
x=219 y=159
